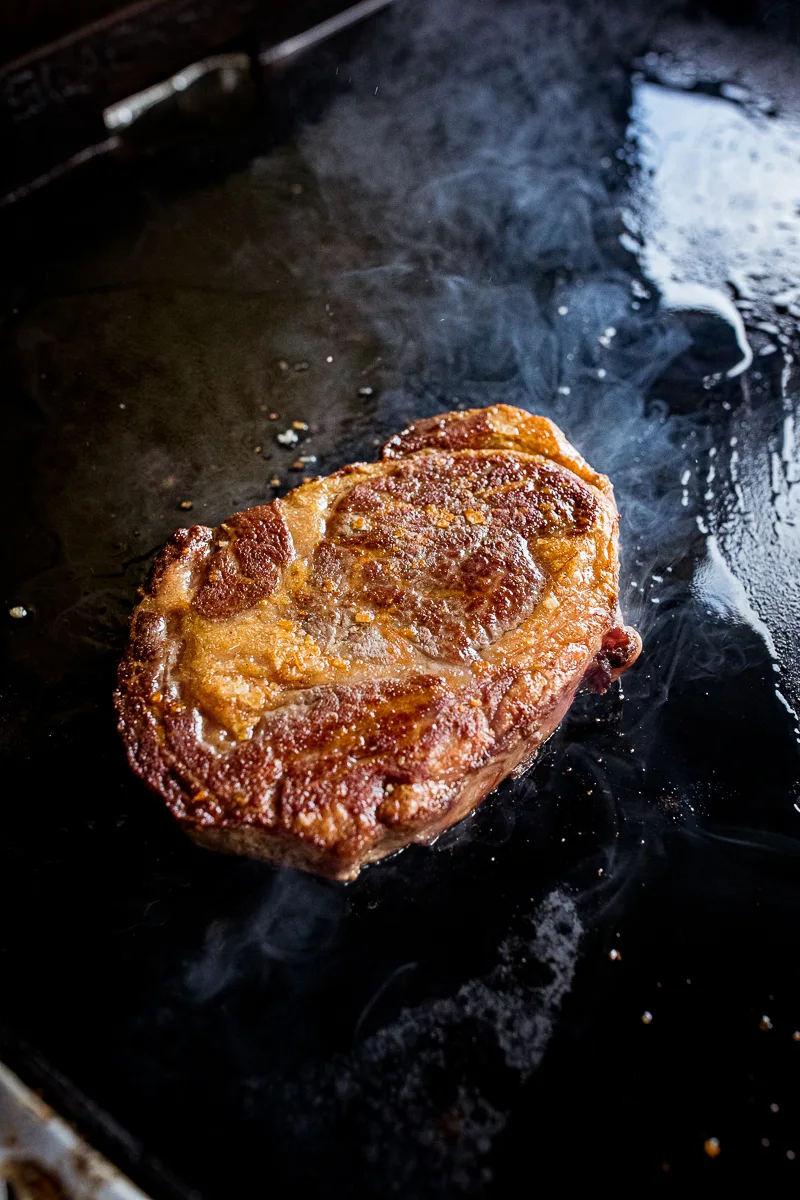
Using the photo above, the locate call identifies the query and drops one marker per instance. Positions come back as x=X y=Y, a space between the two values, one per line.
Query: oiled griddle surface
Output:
x=598 y=972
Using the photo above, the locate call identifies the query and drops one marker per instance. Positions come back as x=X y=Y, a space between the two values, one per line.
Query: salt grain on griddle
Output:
x=765 y=1024
x=287 y=438
x=301 y=366
x=615 y=955
x=647 y=1018
x=283 y=365
x=365 y=391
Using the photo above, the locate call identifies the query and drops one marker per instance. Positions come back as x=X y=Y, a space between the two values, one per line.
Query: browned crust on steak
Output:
x=499 y=427
x=244 y=566
x=327 y=678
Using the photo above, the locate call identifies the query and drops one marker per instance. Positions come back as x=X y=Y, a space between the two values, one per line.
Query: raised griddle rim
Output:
x=93 y=1123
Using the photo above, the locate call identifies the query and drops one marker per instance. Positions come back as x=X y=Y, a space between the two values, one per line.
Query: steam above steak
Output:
x=325 y=679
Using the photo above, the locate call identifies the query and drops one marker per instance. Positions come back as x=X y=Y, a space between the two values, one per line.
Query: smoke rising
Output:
x=294 y=920
x=477 y=167
x=474 y=169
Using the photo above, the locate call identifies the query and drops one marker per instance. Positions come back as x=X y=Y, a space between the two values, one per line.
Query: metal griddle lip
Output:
x=91 y=1121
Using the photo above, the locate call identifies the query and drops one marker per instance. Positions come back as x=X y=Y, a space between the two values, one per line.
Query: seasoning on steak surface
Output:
x=327 y=678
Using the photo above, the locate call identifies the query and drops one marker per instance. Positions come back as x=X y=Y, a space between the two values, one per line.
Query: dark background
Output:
x=416 y=200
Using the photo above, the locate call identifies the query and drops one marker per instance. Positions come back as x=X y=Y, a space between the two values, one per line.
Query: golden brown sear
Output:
x=327 y=678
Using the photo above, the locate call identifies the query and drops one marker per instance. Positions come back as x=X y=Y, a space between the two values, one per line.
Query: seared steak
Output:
x=329 y=677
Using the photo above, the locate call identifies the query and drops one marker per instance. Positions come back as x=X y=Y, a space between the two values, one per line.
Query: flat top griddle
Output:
x=595 y=976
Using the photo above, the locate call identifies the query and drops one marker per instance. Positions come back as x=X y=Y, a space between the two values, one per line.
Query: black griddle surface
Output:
x=596 y=973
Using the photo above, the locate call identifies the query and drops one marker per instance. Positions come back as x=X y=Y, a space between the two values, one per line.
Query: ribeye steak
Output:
x=327 y=678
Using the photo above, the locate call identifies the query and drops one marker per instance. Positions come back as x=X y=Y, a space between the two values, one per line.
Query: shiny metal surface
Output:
x=42 y=1158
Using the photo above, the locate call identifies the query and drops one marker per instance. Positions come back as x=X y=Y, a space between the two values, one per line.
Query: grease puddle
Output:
x=714 y=219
